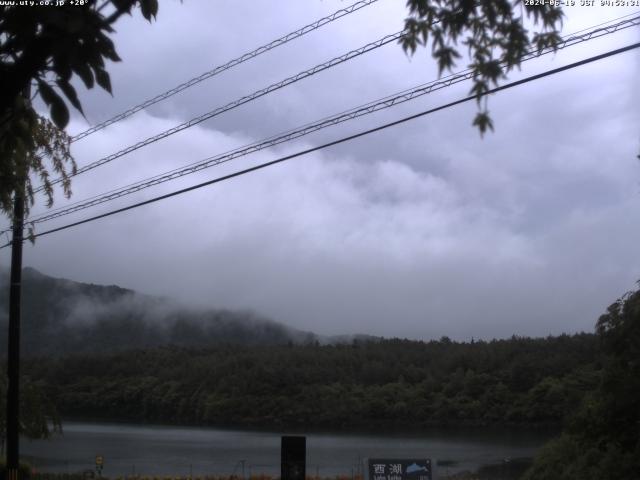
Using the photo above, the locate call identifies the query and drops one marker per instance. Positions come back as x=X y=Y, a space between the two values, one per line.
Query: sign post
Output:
x=99 y=464
x=293 y=458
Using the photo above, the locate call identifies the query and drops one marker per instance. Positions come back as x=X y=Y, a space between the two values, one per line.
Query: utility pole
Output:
x=13 y=361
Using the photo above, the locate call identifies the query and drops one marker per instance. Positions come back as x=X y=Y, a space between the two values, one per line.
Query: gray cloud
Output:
x=422 y=230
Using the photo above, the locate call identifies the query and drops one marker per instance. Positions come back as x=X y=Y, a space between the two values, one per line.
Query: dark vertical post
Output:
x=293 y=458
x=13 y=351
x=13 y=363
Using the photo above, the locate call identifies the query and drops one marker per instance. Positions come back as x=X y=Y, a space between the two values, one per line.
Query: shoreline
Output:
x=390 y=429
x=160 y=451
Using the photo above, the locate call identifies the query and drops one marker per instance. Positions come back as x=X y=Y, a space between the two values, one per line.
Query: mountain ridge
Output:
x=61 y=316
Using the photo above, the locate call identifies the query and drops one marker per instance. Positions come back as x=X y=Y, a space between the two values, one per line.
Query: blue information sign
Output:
x=399 y=469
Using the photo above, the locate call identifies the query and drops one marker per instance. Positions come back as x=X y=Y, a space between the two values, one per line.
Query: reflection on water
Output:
x=161 y=450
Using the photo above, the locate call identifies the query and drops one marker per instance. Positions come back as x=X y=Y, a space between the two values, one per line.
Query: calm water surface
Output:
x=163 y=450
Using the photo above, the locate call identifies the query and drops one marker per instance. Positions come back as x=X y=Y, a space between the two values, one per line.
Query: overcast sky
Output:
x=419 y=231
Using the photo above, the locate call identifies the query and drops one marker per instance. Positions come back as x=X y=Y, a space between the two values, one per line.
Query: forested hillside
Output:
x=601 y=438
x=61 y=316
x=393 y=382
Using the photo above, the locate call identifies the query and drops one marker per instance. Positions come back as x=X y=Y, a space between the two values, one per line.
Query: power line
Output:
x=236 y=103
x=257 y=94
x=356 y=112
x=344 y=139
x=606 y=22
x=230 y=64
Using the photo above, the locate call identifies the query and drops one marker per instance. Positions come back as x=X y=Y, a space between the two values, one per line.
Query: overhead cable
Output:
x=354 y=113
x=236 y=103
x=342 y=140
x=230 y=64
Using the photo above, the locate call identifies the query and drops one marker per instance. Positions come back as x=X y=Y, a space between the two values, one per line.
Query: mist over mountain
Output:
x=61 y=316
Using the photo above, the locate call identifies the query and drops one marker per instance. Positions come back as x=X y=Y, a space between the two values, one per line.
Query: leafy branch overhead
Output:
x=490 y=32
x=38 y=147
x=45 y=48
x=42 y=43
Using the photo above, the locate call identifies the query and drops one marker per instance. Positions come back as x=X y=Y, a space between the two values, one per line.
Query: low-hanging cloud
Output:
x=422 y=230
x=336 y=245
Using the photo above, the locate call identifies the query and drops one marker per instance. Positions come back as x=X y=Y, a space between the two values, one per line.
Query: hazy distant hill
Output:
x=61 y=316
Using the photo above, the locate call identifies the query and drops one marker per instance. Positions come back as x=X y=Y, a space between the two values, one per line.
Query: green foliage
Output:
x=483 y=122
x=391 y=383
x=42 y=44
x=602 y=438
x=41 y=47
x=37 y=146
x=491 y=32
x=568 y=458
x=24 y=470
x=46 y=150
x=38 y=414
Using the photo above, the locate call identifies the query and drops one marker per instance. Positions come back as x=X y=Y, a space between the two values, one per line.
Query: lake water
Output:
x=183 y=451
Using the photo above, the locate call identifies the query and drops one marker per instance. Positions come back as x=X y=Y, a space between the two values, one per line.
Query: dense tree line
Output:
x=393 y=382
x=601 y=439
